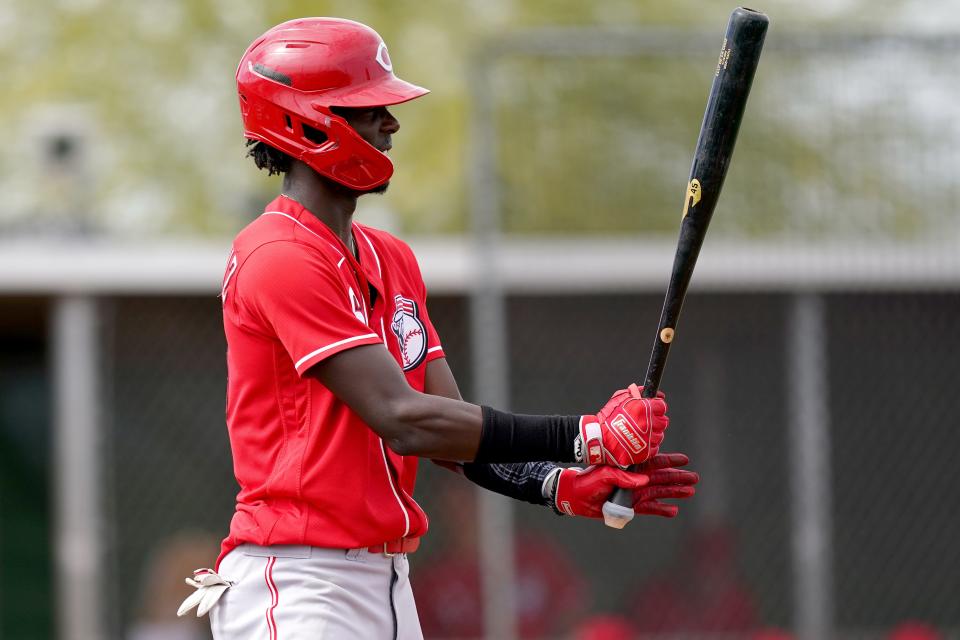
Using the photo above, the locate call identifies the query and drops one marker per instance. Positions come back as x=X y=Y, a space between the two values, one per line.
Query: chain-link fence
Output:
x=723 y=566
x=170 y=474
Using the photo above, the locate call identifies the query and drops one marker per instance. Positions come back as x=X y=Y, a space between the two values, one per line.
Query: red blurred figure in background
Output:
x=550 y=593
x=700 y=592
x=913 y=630
x=605 y=627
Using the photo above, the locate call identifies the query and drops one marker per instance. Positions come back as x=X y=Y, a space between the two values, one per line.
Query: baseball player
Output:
x=338 y=382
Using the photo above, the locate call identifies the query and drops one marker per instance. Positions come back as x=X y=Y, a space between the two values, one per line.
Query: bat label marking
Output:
x=725 y=53
x=693 y=194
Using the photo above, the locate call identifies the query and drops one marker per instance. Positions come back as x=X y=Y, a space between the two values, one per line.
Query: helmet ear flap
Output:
x=345 y=156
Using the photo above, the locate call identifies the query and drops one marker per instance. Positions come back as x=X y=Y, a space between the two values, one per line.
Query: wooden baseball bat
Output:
x=738 y=61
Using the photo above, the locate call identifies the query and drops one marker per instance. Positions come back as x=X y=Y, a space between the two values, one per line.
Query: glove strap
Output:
x=590 y=447
x=562 y=507
x=550 y=486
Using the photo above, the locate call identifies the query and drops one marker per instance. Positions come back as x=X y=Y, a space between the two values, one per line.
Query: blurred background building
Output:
x=541 y=185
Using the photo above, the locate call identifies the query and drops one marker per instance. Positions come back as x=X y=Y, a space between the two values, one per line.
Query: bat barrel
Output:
x=732 y=80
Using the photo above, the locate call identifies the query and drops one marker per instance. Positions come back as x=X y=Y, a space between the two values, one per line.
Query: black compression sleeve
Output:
x=511 y=437
x=522 y=481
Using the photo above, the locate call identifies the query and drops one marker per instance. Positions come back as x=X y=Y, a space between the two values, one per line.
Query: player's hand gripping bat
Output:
x=718 y=133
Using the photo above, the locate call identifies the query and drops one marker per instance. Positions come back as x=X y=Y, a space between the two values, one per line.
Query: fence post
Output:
x=810 y=483
x=76 y=481
x=488 y=338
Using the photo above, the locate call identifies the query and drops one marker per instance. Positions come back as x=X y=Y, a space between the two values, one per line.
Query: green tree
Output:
x=167 y=153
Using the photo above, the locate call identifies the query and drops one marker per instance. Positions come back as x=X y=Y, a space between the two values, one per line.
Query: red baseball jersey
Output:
x=310 y=470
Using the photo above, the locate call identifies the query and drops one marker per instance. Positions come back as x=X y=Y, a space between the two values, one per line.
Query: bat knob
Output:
x=616 y=516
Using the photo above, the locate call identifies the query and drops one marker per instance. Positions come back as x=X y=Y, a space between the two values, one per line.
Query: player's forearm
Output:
x=369 y=381
x=447 y=429
x=432 y=427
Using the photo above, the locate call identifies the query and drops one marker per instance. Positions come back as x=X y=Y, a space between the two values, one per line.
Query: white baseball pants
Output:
x=288 y=592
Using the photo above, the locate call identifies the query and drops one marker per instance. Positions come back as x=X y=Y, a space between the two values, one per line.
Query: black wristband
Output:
x=511 y=437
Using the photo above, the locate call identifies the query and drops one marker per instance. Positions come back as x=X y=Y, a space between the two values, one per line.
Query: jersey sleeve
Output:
x=299 y=297
x=434 y=347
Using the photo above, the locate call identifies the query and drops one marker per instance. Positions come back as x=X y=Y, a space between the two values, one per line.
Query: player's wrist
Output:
x=588 y=445
x=523 y=481
x=511 y=437
x=566 y=500
x=549 y=489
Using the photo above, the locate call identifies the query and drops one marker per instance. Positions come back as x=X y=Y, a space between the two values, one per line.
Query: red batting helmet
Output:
x=291 y=76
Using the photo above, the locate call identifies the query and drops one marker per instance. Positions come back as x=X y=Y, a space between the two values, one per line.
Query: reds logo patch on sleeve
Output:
x=410 y=332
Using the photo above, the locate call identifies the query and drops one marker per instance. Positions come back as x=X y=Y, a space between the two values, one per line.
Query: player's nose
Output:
x=390 y=124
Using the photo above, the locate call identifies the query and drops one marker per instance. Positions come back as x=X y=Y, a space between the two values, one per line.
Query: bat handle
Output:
x=615 y=514
x=618 y=510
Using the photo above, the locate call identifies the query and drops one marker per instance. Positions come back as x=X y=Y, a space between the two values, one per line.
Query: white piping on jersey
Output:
x=386 y=466
x=286 y=215
x=331 y=346
x=376 y=258
x=372 y=250
x=226 y=281
x=383 y=333
x=436 y=348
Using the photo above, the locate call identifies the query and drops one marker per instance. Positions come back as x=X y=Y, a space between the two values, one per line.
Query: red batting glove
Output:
x=628 y=430
x=582 y=492
x=666 y=482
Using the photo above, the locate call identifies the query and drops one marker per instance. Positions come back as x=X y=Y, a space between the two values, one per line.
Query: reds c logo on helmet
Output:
x=291 y=76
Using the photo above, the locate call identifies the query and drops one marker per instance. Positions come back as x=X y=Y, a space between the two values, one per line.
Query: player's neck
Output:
x=330 y=203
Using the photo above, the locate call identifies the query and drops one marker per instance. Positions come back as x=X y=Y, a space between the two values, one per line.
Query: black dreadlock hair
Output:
x=269 y=158
x=276 y=161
